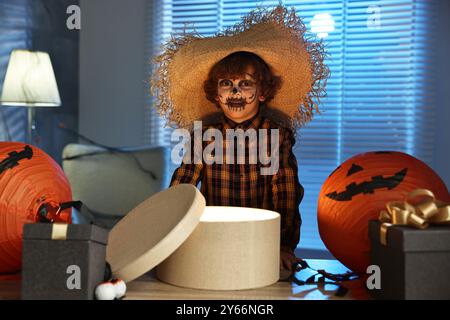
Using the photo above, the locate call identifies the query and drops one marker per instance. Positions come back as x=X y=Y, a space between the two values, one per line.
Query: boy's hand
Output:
x=288 y=259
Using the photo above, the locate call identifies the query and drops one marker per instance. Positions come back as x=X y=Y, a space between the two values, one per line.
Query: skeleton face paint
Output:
x=238 y=97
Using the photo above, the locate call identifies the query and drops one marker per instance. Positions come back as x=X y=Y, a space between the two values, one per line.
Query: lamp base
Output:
x=31 y=128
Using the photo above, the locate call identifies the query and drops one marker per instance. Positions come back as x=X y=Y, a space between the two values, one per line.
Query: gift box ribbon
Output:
x=410 y=212
x=59 y=231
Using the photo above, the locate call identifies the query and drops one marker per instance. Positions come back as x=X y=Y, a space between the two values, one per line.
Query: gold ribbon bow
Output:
x=421 y=215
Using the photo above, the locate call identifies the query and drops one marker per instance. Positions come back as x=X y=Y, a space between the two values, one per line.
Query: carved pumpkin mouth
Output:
x=365 y=187
x=14 y=157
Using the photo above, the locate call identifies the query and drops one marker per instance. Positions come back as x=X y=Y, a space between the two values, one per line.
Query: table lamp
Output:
x=30 y=82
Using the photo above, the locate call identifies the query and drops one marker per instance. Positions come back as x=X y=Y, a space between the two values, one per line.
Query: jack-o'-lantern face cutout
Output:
x=358 y=190
x=367 y=186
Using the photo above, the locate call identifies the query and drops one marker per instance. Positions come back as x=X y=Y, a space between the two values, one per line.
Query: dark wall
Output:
x=442 y=65
x=113 y=71
x=49 y=33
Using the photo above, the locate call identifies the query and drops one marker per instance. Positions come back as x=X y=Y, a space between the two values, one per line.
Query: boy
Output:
x=239 y=84
x=260 y=75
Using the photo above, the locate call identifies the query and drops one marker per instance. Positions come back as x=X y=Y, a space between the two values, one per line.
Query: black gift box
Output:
x=415 y=263
x=68 y=268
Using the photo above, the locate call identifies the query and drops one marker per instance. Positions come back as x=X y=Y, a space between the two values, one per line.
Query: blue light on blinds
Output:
x=322 y=24
x=380 y=93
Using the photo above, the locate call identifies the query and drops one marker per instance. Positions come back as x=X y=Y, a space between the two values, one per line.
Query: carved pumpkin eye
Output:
x=355 y=168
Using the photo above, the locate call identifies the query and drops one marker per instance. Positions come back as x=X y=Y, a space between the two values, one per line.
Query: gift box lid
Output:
x=408 y=239
x=152 y=231
x=74 y=232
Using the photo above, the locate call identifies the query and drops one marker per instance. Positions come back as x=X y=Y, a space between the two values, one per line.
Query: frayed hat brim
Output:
x=278 y=36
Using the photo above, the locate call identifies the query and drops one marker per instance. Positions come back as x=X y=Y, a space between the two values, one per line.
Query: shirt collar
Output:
x=253 y=123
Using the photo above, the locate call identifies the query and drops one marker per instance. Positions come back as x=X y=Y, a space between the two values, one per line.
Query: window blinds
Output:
x=14 y=22
x=380 y=93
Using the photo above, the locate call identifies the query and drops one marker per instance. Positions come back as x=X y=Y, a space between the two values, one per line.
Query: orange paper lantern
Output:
x=32 y=187
x=358 y=190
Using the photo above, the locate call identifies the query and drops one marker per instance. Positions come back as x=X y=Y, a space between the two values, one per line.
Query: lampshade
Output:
x=30 y=81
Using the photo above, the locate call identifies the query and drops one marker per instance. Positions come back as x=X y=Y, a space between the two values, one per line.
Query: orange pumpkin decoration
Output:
x=358 y=190
x=32 y=187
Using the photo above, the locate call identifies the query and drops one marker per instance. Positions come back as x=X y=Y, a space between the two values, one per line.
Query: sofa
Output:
x=110 y=183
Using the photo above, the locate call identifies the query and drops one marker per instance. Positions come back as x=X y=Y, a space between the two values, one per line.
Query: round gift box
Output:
x=232 y=248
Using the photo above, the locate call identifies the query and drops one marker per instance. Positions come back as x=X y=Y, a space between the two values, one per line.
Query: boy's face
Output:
x=239 y=97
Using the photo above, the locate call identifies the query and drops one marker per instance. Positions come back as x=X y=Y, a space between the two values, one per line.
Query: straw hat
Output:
x=277 y=36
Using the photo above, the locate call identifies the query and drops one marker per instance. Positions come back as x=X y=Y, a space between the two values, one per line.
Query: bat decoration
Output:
x=377 y=182
x=14 y=157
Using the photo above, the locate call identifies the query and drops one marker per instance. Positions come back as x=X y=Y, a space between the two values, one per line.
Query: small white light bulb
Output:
x=105 y=291
x=120 y=288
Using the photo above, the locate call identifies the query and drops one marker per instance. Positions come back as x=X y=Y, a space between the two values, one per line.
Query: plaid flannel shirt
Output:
x=243 y=185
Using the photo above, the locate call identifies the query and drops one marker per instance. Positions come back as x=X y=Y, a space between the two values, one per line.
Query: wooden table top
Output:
x=148 y=287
